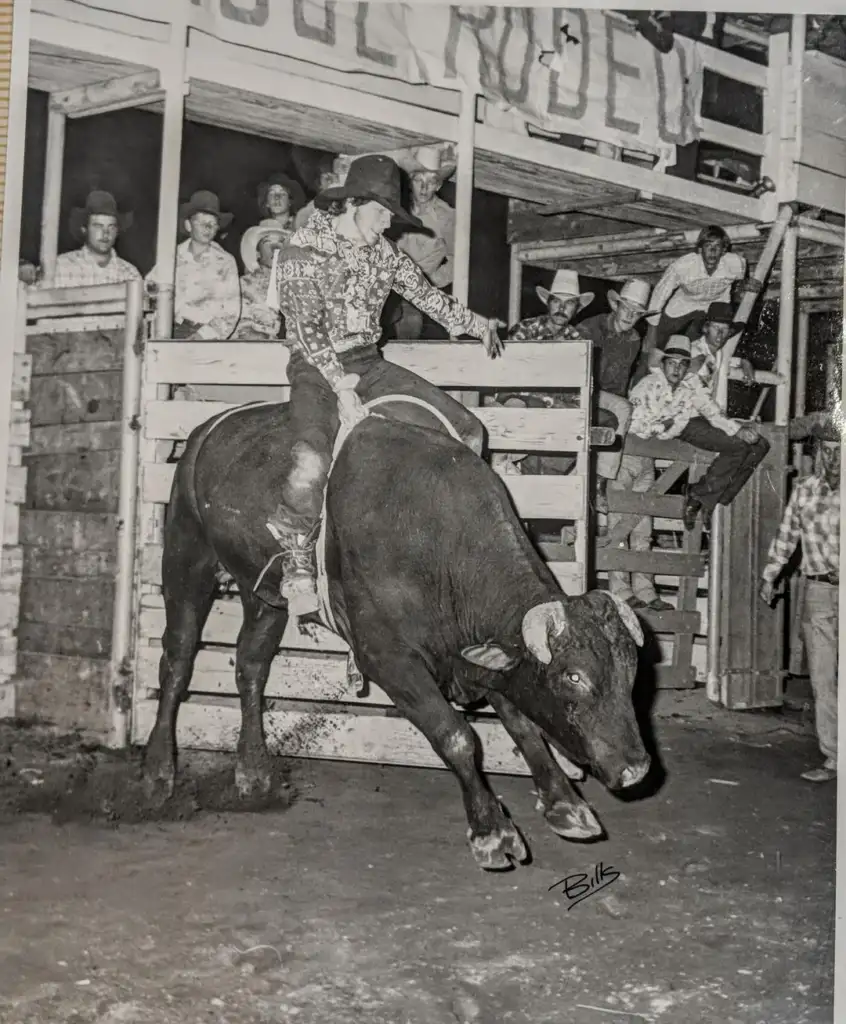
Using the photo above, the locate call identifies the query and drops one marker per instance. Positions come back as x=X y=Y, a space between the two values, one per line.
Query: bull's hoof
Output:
x=499 y=850
x=576 y=822
x=253 y=783
x=158 y=784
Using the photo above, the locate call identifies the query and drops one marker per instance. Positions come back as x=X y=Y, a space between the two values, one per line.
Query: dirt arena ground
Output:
x=353 y=896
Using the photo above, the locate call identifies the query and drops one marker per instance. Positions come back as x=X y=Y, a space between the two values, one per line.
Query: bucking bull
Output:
x=436 y=587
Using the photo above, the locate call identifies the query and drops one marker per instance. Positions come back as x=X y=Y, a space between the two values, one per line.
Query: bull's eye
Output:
x=574 y=677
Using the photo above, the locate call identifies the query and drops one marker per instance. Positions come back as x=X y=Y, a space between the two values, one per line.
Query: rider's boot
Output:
x=297 y=541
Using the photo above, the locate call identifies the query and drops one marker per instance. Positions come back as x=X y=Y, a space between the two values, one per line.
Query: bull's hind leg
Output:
x=258 y=641
x=566 y=813
x=189 y=566
x=494 y=839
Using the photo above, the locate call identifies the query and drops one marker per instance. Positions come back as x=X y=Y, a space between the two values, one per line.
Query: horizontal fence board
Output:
x=450 y=364
x=53 y=352
x=74 y=437
x=670 y=562
x=327 y=734
x=534 y=497
x=521 y=430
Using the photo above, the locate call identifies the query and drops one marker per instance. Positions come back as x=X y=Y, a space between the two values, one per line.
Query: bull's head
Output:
x=573 y=676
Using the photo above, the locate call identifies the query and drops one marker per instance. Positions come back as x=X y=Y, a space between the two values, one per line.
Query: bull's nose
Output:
x=635 y=773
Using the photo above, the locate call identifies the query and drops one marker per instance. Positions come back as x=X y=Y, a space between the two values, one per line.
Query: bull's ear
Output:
x=491 y=656
x=630 y=620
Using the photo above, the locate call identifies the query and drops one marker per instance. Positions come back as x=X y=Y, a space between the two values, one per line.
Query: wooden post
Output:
x=801 y=375
x=515 y=288
x=778 y=59
x=464 y=213
x=52 y=203
x=786 y=318
x=121 y=651
x=174 y=82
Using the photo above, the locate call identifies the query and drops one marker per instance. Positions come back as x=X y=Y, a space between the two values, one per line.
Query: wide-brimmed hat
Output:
x=252 y=238
x=375 y=178
x=292 y=187
x=820 y=425
x=204 y=201
x=634 y=293
x=438 y=160
x=97 y=203
x=721 y=313
x=565 y=286
x=677 y=347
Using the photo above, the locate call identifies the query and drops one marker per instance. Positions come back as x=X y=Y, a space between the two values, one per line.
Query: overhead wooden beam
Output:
x=113 y=94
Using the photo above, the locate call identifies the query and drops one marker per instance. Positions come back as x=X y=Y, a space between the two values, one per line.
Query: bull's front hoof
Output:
x=253 y=783
x=574 y=822
x=499 y=850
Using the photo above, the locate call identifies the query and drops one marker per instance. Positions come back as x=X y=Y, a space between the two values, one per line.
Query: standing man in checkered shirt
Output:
x=97 y=226
x=691 y=283
x=812 y=518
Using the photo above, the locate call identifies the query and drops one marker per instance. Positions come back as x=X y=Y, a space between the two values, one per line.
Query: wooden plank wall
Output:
x=311 y=709
x=822 y=150
x=68 y=528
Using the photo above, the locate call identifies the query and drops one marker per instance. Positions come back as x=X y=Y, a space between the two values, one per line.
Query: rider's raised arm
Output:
x=453 y=316
x=303 y=305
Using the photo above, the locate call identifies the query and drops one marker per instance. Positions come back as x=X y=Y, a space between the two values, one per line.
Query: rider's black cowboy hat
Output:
x=204 y=201
x=97 y=203
x=292 y=187
x=376 y=178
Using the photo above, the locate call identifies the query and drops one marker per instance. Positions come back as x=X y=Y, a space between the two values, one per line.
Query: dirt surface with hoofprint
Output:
x=351 y=897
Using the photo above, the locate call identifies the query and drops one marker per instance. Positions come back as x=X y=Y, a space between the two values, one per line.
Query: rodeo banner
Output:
x=584 y=72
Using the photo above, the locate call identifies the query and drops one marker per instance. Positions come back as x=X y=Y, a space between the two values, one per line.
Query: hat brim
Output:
x=614 y=299
x=187 y=211
x=400 y=215
x=583 y=298
x=252 y=239
x=79 y=219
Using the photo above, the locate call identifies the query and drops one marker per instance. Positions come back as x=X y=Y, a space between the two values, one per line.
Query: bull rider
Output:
x=333 y=279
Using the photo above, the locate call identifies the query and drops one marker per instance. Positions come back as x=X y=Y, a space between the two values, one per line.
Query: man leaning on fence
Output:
x=97 y=225
x=812 y=520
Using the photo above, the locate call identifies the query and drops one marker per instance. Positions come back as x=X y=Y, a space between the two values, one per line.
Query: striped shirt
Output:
x=80 y=268
x=812 y=518
x=687 y=287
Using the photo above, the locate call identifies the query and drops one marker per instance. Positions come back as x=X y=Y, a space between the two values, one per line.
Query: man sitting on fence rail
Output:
x=672 y=403
x=812 y=519
x=207 y=294
x=97 y=226
x=333 y=279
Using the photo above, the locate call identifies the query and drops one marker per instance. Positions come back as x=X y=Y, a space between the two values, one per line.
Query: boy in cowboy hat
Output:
x=812 y=519
x=717 y=325
x=692 y=282
x=280 y=198
x=616 y=346
x=97 y=226
x=334 y=278
x=258 y=320
x=207 y=296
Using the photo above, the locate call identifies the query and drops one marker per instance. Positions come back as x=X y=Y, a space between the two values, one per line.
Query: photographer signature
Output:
x=579 y=886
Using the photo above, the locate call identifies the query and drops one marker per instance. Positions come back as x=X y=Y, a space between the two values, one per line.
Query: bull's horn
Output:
x=629 y=619
x=538 y=623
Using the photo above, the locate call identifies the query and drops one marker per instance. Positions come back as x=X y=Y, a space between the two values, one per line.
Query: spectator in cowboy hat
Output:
x=332 y=176
x=280 y=198
x=427 y=167
x=812 y=520
x=96 y=225
x=716 y=327
x=258 y=320
x=616 y=346
x=207 y=296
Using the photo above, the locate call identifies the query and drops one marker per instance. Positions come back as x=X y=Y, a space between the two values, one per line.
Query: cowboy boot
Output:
x=297 y=542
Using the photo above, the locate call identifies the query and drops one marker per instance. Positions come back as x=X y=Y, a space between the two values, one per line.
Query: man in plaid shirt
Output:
x=96 y=225
x=812 y=519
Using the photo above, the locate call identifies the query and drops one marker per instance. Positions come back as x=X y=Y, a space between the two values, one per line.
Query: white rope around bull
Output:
x=325 y=608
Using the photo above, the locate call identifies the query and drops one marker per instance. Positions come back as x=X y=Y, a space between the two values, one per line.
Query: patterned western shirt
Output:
x=812 y=516
x=434 y=255
x=544 y=328
x=332 y=292
x=614 y=352
x=663 y=412
x=207 y=290
x=257 y=319
x=687 y=287
x=80 y=268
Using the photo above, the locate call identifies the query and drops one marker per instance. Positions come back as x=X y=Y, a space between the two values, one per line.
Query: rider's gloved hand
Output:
x=350 y=409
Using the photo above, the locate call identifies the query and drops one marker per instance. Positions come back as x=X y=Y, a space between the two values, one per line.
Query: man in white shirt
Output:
x=691 y=283
x=97 y=226
x=207 y=296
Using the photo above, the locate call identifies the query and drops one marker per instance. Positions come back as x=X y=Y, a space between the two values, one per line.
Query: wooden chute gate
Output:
x=600 y=210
